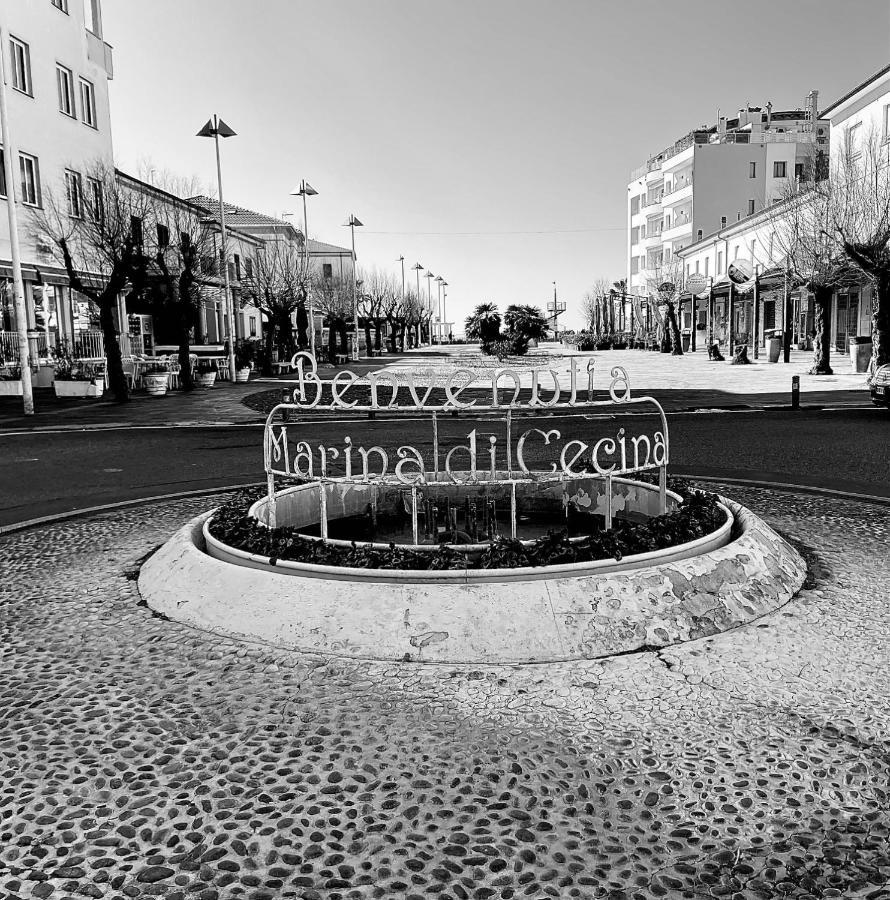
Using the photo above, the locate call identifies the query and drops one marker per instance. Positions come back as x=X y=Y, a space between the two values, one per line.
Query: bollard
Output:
x=795 y=391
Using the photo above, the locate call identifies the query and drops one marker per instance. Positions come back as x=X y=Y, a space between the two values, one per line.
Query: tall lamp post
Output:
x=354 y=223
x=18 y=286
x=439 y=282
x=217 y=129
x=418 y=268
x=444 y=297
x=306 y=190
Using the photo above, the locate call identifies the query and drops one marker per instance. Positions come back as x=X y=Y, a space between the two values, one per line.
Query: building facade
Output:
x=713 y=177
x=57 y=68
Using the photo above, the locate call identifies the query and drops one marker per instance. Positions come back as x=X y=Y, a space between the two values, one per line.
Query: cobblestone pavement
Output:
x=141 y=758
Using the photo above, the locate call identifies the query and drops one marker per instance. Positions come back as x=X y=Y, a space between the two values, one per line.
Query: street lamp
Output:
x=354 y=223
x=444 y=295
x=401 y=260
x=306 y=190
x=217 y=129
x=439 y=282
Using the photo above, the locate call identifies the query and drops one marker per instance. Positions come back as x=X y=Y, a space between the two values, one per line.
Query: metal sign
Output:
x=697 y=283
x=740 y=271
x=481 y=455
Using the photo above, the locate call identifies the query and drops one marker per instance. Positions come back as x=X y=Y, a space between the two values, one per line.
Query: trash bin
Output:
x=860 y=353
x=774 y=346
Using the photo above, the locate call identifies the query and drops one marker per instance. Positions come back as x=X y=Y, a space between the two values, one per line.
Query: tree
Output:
x=859 y=211
x=173 y=276
x=483 y=324
x=525 y=321
x=664 y=283
x=97 y=236
x=333 y=297
x=592 y=305
x=378 y=289
x=278 y=286
x=814 y=258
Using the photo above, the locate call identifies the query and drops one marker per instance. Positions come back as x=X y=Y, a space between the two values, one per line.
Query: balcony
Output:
x=677 y=230
x=652 y=165
x=764 y=137
x=651 y=239
x=99 y=52
x=650 y=200
x=678 y=195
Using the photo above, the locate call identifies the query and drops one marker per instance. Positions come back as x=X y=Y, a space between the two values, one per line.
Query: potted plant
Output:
x=155 y=378
x=73 y=377
x=205 y=373
x=10 y=378
x=245 y=356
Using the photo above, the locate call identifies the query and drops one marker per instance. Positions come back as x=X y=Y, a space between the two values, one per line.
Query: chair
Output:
x=173 y=369
x=222 y=367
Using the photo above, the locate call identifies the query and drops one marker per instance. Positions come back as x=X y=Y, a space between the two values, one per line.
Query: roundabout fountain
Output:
x=488 y=541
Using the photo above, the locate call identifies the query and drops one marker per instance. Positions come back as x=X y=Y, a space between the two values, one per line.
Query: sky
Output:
x=490 y=140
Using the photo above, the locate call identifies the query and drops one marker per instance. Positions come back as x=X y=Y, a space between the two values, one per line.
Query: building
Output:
x=58 y=67
x=715 y=176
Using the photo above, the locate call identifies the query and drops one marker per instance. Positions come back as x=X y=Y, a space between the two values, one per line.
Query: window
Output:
x=851 y=142
x=21 y=66
x=65 y=82
x=634 y=265
x=252 y=323
x=719 y=262
x=635 y=235
x=699 y=234
x=327 y=271
x=61 y=4
x=752 y=169
x=230 y=268
x=88 y=103
x=886 y=122
x=163 y=236
x=95 y=199
x=780 y=169
x=634 y=205
x=707 y=265
x=798 y=171
x=750 y=207
x=237 y=259
x=93 y=17
x=2 y=173
x=74 y=193
x=248 y=267
x=735 y=252
x=30 y=172
x=696 y=267
x=136 y=230
x=723 y=221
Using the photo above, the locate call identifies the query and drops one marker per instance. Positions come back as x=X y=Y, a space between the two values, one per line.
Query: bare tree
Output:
x=333 y=296
x=592 y=304
x=97 y=235
x=859 y=211
x=814 y=258
x=278 y=286
x=173 y=279
x=378 y=290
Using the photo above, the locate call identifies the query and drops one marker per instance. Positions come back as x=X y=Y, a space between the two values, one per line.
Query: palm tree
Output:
x=483 y=324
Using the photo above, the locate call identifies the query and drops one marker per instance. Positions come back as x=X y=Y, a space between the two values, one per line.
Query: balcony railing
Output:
x=86 y=344
x=648 y=200
x=764 y=137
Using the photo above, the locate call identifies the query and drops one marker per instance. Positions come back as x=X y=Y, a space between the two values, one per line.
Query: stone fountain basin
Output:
x=584 y=610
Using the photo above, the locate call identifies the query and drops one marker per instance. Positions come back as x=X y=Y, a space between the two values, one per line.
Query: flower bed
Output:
x=698 y=515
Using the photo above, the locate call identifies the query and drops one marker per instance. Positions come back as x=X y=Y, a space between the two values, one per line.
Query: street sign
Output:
x=666 y=288
x=740 y=271
x=697 y=283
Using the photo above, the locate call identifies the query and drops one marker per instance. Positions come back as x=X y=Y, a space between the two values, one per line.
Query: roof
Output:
x=319 y=248
x=856 y=90
x=239 y=216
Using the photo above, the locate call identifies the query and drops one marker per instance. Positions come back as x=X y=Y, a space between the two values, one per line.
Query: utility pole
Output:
x=18 y=285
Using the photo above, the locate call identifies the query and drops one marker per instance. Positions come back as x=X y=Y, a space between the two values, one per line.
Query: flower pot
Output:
x=44 y=377
x=11 y=387
x=205 y=379
x=774 y=348
x=860 y=353
x=78 y=389
x=242 y=375
x=155 y=384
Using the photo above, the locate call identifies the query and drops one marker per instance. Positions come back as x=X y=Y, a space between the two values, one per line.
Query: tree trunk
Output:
x=186 y=382
x=674 y=328
x=368 y=335
x=269 y=342
x=880 y=323
x=302 y=327
x=822 y=338
x=391 y=337
x=332 y=343
x=116 y=378
x=344 y=338
x=377 y=327
x=285 y=331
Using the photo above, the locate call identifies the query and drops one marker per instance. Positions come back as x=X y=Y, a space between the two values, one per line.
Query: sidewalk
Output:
x=686 y=383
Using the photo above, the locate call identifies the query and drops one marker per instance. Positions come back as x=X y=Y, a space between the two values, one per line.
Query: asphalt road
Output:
x=49 y=472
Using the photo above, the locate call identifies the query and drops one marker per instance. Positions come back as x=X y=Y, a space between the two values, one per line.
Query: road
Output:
x=55 y=471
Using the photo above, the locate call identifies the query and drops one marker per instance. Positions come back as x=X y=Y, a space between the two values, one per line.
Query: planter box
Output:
x=11 y=388
x=774 y=349
x=156 y=384
x=205 y=379
x=242 y=375
x=80 y=389
x=860 y=353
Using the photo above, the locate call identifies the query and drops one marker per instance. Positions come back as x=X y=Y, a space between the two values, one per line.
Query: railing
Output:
x=9 y=344
x=650 y=200
x=764 y=137
x=89 y=344
x=676 y=188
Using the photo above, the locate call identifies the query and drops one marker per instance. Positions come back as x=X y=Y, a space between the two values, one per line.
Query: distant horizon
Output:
x=492 y=142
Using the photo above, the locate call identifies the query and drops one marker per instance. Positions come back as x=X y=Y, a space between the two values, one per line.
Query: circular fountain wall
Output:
x=737 y=571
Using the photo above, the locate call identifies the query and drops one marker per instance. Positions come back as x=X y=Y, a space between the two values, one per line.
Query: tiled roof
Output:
x=239 y=216
x=319 y=248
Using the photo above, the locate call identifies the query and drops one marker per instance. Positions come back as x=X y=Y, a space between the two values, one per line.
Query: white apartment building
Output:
x=57 y=69
x=713 y=177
